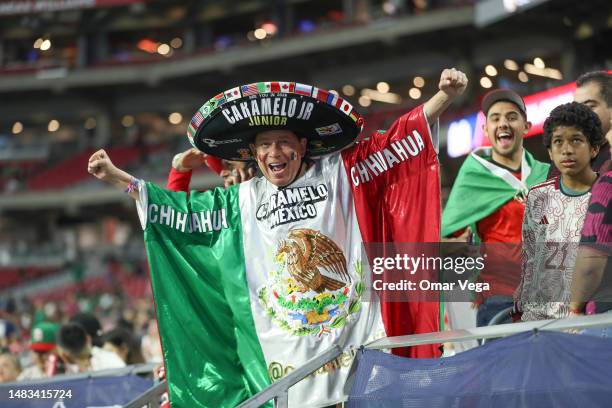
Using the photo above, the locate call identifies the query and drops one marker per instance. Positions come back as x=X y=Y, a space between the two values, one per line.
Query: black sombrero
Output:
x=226 y=124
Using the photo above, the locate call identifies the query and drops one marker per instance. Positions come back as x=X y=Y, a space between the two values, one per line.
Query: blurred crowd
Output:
x=40 y=339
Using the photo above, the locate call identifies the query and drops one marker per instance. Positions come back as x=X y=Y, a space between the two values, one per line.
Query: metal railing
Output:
x=279 y=391
x=128 y=370
x=499 y=317
x=150 y=398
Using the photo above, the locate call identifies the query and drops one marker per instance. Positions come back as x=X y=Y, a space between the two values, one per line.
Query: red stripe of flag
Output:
x=338 y=102
x=322 y=95
x=250 y=89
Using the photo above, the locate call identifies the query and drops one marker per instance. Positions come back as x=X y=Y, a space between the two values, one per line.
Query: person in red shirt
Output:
x=488 y=196
x=183 y=164
x=592 y=278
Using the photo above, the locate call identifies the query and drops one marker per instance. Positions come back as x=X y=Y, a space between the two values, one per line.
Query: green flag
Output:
x=477 y=192
x=203 y=312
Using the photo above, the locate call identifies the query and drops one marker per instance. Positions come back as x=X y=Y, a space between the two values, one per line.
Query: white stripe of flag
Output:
x=232 y=94
x=346 y=107
x=303 y=89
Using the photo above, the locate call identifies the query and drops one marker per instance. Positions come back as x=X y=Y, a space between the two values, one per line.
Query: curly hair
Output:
x=577 y=115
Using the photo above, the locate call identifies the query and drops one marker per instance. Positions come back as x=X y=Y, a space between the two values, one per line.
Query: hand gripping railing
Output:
x=279 y=391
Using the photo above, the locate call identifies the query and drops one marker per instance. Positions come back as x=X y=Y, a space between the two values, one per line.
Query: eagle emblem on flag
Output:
x=314 y=260
x=312 y=292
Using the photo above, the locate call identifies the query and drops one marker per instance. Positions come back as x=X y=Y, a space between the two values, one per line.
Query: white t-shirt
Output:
x=31 y=373
x=103 y=359
x=100 y=360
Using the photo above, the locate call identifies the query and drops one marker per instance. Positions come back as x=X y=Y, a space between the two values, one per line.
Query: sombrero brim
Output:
x=226 y=124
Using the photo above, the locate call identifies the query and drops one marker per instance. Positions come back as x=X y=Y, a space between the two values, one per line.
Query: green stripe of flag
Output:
x=202 y=298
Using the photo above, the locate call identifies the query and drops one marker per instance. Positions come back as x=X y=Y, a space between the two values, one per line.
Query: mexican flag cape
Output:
x=481 y=188
x=252 y=281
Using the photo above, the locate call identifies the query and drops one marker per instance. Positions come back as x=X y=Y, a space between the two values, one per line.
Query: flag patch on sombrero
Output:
x=227 y=123
x=302 y=89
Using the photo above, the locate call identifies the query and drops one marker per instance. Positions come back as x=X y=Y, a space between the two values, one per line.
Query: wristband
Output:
x=133 y=185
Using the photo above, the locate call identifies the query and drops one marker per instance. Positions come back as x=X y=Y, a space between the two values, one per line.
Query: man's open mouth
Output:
x=276 y=168
x=504 y=139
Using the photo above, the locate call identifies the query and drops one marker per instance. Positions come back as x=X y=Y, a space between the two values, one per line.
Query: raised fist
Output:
x=101 y=166
x=453 y=82
x=189 y=160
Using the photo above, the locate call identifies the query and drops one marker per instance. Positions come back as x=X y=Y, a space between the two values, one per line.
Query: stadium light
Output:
x=127 y=120
x=348 y=90
x=364 y=101
x=486 y=82
x=17 y=128
x=270 y=28
x=389 y=7
x=38 y=43
x=175 y=118
x=163 y=49
x=90 y=123
x=176 y=42
x=490 y=70
x=378 y=96
x=260 y=33
x=306 y=26
x=382 y=87
x=418 y=81
x=148 y=45
x=45 y=45
x=539 y=63
x=414 y=93
x=584 y=31
x=523 y=77
x=53 y=125
x=511 y=65
x=545 y=72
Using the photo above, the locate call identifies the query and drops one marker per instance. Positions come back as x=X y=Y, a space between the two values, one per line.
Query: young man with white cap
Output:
x=255 y=280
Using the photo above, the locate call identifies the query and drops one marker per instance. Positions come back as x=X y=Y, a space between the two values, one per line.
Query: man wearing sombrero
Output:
x=252 y=281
